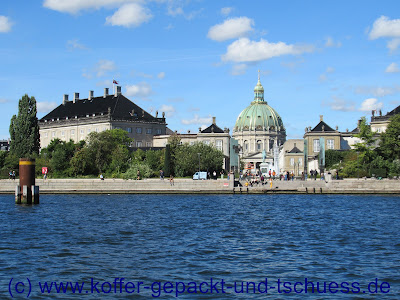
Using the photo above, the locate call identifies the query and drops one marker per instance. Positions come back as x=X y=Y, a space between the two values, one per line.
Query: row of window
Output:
x=82 y=131
x=140 y=144
x=299 y=161
x=330 y=144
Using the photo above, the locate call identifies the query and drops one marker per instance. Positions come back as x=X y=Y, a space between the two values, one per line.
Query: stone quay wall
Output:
x=220 y=186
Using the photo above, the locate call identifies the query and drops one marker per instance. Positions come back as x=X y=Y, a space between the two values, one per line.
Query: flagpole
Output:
x=113 y=87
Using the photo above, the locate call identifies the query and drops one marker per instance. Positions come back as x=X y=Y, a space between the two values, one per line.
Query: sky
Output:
x=195 y=59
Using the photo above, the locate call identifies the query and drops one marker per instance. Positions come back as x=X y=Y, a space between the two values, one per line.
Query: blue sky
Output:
x=196 y=59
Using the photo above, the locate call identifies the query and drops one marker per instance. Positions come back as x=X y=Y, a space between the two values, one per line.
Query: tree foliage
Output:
x=389 y=145
x=187 y=159
x=24 y=129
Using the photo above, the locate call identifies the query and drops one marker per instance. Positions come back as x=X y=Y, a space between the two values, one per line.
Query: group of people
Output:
x=11 y=175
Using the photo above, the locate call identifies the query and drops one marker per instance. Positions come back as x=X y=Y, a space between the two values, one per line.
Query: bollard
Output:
x=17 y=194
x=26 y=195
x=35 y=192
x=27 y=181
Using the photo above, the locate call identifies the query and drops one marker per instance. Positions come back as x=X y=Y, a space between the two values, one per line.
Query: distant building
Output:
x=212 y=135
x=258 y=129
x=76 y=119
x=380 y=123
x=291 y=157
x=4 y=145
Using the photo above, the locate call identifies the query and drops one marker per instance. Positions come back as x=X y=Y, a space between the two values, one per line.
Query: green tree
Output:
x=80 y=162
x=24 y=129
x=167 y=160
x=187 y=159
x=101 y=145
x=390 y=140
x=120 y=159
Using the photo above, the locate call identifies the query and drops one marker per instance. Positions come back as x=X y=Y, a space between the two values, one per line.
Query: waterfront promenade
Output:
x=220 y=186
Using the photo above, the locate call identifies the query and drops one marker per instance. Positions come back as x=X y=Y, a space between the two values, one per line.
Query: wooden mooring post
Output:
x=27 y=192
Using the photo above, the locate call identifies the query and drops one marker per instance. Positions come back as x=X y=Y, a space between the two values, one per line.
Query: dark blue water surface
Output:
x=196 y=238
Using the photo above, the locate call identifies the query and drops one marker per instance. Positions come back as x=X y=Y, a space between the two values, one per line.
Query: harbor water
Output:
x=166 y=246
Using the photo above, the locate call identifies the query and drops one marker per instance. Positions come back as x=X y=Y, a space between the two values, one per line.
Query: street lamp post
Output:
x=199 y=160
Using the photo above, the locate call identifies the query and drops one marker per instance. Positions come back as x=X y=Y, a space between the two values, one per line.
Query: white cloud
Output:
x=339 y=104
x=392 y=68
x=43 y=107
x=5 y=24
x=239 y=69
x=331 y=43
x=177 y=99
x=161 y=75
x=231 y=29
x=74 y=44
x=104 y=83
x=393 y=44
x=103 y=67
x=370 y=104
x=330 y=70
x=168 y=109
x=376 y=91
x=129 y=15
x=3 y=100
x=244 y=50
x=141 y=90
x=384 y=27
x=226 y=10
x=197 y=120
x=323 y=77
x=75 y=6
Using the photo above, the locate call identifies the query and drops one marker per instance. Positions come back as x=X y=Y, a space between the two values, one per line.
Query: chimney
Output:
x=321 y=117
x=91 y=93
x=358 y=123
x=65 y=100
x=76 y=97
x=337 y=128
x=105 y=92
x=214 y=120
x=118 y=91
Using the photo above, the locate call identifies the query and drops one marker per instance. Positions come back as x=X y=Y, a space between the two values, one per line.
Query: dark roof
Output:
x=295 y=150
x=318 y=128
x=356 y=130
x=212 y=129
x=394 y=111
x=120 y=108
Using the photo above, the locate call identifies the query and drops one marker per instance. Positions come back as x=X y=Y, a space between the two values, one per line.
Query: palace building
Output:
x=75 y=120
x=259 y=129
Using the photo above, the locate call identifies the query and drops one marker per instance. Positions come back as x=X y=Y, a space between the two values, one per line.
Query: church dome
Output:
x=259 y=115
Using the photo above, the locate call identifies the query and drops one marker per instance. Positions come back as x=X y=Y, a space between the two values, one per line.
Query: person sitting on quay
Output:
x=101 y=176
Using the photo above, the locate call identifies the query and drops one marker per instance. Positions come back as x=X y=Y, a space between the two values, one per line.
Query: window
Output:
x=378 y=130
x=300 y=161
x=148 y=130
x=138 y=144
x=148 y=144
x=191 y=143
x=72 y=131
x=218 y=144
x=62 y=133
x=259 y=145
x=207 y=142
x=53 y=134
x=330 y=144
x=316 y=145
x=97 y=129
x=88 y=131
x=158 y=131
x=82 y=132
x=292 y=161
x=129 y=130
x=246 y=145
x=45 y=134
x=139 y=130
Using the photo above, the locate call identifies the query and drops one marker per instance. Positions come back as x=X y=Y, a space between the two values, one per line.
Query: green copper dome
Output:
x=259 y=115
